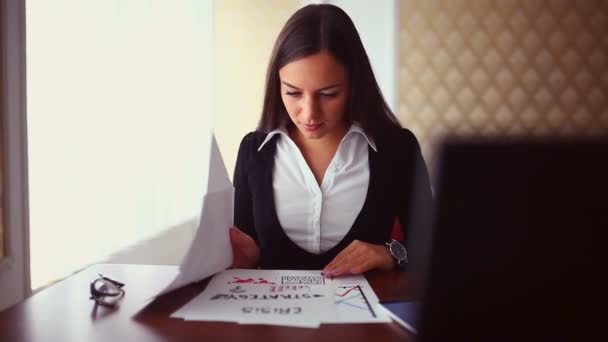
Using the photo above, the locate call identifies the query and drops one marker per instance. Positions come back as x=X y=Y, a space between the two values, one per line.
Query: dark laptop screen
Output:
x=517 y=232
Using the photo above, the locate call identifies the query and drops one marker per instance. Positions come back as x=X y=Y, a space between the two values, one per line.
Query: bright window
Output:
x=119 y=104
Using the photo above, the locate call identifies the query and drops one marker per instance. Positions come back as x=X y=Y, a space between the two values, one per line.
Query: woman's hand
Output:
x=359 y=257
x=245 y=252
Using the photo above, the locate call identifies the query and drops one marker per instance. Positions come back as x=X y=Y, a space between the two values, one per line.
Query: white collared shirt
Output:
x=317 y=218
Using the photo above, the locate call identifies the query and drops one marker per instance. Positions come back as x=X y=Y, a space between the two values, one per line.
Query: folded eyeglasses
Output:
x=106 y=291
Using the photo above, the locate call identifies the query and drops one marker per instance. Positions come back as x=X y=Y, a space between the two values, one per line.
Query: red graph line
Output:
x=345 y=293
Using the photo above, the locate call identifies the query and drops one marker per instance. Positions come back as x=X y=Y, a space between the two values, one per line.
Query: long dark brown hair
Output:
x=326 y=27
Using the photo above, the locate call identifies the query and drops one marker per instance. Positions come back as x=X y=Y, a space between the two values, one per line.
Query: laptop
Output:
x=511 y=248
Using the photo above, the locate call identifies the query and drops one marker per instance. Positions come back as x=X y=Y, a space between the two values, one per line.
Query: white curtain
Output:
x=119 y=103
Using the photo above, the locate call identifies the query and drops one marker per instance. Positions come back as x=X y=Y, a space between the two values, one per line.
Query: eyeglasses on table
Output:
x=106 y=291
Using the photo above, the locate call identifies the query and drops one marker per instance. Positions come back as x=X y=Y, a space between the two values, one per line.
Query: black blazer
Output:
x=394 y=169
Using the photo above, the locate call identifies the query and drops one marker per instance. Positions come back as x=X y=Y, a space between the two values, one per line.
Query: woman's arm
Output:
x=418 y=194
x=245 y=250
x=243 y=205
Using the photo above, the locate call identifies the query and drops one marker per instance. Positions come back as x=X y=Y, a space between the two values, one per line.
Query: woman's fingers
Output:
x=359 y=257
x=363 y=266
x=245 y=251
x=344 y=259
x=353 y=264
x=237 y=237
x=340 y=259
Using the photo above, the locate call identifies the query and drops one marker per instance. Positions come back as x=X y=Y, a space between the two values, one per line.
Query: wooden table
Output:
x=63 y=312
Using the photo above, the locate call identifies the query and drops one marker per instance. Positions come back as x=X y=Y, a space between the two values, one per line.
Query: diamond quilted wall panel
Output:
x=510 y=67
x=2 y=238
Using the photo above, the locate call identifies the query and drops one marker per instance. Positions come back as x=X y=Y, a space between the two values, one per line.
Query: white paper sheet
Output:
x=210 y=251
x=260 y=297
x=356 y=302
x=280 y=297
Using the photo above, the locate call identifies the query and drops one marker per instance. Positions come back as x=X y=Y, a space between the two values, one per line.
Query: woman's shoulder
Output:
x=254 y=138
x=251 y=142
x=400 y=138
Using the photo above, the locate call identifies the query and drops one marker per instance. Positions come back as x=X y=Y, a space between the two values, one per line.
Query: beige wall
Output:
x=245 y=31
x=492 y=67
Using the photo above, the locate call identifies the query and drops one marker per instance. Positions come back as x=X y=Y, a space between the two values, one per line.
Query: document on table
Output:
x=356 y=302
x=295 y=298
x=210 y=251
x=284 y=297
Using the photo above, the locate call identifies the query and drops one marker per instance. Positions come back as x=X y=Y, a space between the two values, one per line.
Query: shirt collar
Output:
x=280 y=130
x=354 y=128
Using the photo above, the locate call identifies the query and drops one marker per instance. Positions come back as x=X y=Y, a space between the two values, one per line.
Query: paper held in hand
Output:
x=210 y=251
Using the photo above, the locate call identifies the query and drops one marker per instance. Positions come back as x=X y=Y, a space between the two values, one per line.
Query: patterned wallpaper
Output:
x=2 y=233
x=509 y=67
x=245 y=31
x=2 y=205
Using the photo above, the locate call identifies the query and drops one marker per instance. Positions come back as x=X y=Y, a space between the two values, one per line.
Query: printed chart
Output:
x=284 y=297
x=352 y=302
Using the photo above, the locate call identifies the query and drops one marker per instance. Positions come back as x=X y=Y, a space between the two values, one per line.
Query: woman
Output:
x=329 y=169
